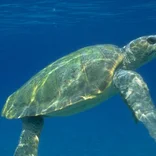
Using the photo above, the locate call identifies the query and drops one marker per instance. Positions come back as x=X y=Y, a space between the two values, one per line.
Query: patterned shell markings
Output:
x=77 y=77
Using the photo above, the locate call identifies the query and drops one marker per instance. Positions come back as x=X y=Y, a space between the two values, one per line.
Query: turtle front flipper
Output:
x=135 y=93
x=29 y=139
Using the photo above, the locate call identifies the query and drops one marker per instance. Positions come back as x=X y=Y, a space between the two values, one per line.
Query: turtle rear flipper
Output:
x=29 y=139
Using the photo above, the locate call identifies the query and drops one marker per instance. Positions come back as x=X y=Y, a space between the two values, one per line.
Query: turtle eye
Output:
x=151 y=40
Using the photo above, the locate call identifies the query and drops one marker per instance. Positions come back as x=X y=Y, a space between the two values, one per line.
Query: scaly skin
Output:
x=29 y=139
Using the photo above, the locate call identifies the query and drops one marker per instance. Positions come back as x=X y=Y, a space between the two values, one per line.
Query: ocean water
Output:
x=34 y=33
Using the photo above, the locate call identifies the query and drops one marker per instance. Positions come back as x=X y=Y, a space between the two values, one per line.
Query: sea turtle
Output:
x=80 y=81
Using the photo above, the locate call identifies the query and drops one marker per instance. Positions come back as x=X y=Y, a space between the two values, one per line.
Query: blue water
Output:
x=34 y=33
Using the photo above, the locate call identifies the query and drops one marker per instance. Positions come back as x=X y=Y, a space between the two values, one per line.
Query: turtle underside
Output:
x=71 y=84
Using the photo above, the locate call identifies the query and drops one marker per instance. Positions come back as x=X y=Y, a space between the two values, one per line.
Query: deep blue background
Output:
x=35 y=33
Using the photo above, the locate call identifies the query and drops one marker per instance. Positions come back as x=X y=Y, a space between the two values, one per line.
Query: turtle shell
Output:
x=69 y=85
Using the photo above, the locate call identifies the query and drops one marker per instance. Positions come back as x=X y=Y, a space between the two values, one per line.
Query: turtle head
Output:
x=139 y=51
